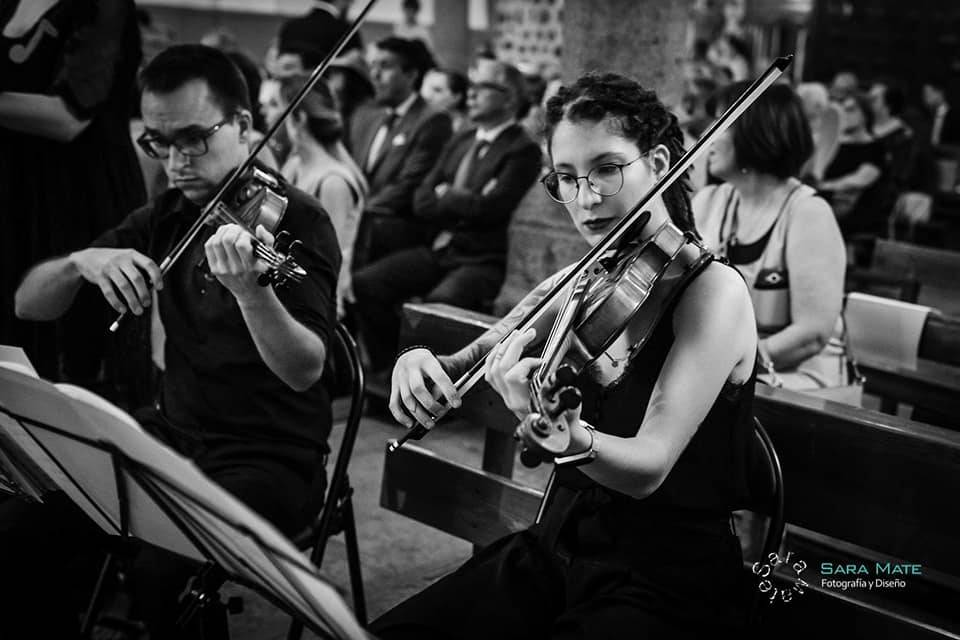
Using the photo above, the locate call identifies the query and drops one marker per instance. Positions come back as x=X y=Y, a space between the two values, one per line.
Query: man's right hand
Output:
x=120 y=275
x=411 y=399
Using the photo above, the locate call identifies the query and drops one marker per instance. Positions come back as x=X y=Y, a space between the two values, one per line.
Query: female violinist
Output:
x=638 y=535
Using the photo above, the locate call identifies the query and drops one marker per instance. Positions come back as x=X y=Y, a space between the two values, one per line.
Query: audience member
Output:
x=898 y=140
x=68 y=170
x=731 y=54
x=349 y=80
x=535 y=85
x=693 y=115
x=320 y=165
x=312 y=36
x=849 y=180
x=396 y=142
x=844 y=83
x=409 y=28
x=945 y=126
x=446 y=90
x=824 y=119
x=470 y=194
x=779 y=235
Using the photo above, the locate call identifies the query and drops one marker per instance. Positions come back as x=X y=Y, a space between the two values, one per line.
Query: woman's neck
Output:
x=310 y=151
x=756 y=190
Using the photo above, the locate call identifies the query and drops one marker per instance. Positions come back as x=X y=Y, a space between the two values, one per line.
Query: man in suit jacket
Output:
x=396 y=142
x=469 y=195
x=313 y=36
x=945 y=121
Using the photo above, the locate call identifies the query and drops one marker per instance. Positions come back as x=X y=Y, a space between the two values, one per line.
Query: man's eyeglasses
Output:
x=604 y=180
x=188 y=143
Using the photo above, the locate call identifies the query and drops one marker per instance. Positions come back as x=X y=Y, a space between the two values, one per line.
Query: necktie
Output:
x=380 y=139
x=466 y=163
x=460 y=178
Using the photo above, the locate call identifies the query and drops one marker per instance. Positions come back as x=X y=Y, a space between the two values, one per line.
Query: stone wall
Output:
x=644 y=39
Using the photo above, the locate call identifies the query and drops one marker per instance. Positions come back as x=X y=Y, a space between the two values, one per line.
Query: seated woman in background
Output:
x=446 y=90
x=779 y=235
x=320 y=165
x=851 y=182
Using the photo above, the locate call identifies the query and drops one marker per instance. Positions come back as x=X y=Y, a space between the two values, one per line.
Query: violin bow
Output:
x=734 y=111
x=218 y=197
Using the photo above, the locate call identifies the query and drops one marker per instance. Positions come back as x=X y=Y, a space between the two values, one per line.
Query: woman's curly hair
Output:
x=637 y=115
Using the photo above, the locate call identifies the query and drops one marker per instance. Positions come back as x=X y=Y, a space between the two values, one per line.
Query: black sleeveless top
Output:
x=708 y=481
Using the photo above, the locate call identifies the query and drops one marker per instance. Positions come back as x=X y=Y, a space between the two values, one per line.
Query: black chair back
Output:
x=344 y=375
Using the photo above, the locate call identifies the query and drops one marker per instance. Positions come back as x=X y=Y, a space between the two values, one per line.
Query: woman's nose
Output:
x=587 y=198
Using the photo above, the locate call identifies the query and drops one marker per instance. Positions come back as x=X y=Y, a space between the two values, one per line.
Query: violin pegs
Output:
x=565 y=376
x=282 y=241
x=264 y=279
x=569 y=398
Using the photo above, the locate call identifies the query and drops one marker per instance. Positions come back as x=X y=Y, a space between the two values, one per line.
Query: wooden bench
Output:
x=898 y=264
x=861 y=487
x=932 y=386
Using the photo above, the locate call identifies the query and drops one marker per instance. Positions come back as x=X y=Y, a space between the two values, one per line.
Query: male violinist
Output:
x=241 y=394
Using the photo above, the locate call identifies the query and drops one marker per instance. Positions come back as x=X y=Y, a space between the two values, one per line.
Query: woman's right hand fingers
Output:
x=410 y=399
x=441 y=381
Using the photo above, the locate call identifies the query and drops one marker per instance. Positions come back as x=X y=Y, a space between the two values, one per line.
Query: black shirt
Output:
x=215 y=383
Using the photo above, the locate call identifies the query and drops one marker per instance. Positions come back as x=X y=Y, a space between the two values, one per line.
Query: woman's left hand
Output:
x=574 y=438
x=509 y=374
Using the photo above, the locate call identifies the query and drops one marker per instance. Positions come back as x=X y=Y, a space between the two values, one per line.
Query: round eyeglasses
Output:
x=190 y=143
x=604 y=180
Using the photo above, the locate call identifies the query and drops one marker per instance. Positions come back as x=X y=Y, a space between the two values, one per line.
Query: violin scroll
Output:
x=546 y=423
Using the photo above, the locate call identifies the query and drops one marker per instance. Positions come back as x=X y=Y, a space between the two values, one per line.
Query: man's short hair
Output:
x=512 y=78
x=413 y=54
x=176 y=66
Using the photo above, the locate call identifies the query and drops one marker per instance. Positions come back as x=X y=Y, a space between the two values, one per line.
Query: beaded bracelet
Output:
x=414 y=347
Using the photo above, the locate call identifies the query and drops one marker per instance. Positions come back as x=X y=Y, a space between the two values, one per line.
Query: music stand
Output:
x=134 y=486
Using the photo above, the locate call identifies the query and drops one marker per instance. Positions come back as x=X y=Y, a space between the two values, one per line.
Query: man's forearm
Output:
x=293 y=352
x=48 y=290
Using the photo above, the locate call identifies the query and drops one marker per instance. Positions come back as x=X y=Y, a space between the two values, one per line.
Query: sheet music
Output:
x=155 y=476
x=102 y=420
x=15 y=358
x=22 y=395
x=885 y=329
x=235 y=532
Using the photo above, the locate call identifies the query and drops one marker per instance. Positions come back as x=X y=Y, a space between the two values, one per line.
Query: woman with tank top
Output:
x=320 y=165
x=781 y=236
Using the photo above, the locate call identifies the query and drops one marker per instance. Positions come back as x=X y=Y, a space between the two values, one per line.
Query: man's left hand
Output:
x=233 y=261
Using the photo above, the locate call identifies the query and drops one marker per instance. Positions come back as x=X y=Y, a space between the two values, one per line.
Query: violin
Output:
x=257 y=209
x=611 y=311
x=257 y=200
x=620 y=296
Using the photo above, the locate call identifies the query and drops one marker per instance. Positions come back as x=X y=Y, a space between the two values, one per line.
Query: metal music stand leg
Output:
x=202 y=591
x=113 y=559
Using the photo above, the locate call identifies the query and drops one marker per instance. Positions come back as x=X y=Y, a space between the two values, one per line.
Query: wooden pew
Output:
x=934 y=269
x=932 y=387
x=861 y=487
